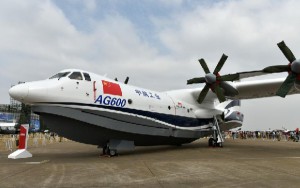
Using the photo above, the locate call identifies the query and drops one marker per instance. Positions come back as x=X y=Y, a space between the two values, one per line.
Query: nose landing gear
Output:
x=217 y=139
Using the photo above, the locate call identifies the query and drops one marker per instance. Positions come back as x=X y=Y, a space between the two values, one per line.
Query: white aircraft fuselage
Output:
x=94 y=109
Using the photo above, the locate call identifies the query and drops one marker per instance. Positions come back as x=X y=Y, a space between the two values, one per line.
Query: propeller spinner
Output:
x=215 y=81
x=293 y=69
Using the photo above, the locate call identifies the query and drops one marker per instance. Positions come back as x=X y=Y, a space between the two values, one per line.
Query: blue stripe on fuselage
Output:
x=167 y=118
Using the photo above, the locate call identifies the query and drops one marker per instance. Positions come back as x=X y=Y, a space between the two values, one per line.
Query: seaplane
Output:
x=115 y=116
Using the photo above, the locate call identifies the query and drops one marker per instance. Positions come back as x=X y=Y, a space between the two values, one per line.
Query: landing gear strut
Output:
x=217 y=139
x=214 y=143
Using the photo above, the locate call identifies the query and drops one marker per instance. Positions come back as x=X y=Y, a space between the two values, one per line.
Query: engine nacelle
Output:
x=232 y=117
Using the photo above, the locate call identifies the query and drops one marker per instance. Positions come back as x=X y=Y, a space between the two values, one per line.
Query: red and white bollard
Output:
x=23 y=139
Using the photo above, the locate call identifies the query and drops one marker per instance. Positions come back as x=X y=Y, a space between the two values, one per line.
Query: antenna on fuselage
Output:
x=126 y=80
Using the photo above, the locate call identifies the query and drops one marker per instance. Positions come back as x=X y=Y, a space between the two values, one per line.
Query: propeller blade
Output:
x=196 y=80
x=203 y=94
x=286 y=51
x=204 y=66
x=219 y=94
x=276 y=69
x=228 y=89
x=286 y=85
x=126 y=80
x=220 y=64
x=229 y=77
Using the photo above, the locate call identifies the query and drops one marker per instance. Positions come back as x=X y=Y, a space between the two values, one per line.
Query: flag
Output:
x=111 y=88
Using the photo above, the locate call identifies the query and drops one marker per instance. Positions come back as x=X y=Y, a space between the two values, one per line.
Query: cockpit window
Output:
x=60 y=75
x=87 y=76
x=76 y=76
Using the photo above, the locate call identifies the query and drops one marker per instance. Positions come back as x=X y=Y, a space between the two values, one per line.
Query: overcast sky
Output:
x=155 y=42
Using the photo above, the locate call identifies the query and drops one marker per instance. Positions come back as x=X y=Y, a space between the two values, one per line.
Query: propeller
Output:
x=293 y=69
x=215 y=81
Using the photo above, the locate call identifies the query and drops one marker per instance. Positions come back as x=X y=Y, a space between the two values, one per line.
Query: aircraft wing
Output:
x=260 y=88
x=248 y=74
x=252 y=74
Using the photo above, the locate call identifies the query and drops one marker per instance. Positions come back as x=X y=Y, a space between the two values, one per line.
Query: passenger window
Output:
x=87 y=76
x=76 y=76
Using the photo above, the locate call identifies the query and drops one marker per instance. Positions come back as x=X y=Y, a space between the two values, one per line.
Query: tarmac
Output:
x=240 y=163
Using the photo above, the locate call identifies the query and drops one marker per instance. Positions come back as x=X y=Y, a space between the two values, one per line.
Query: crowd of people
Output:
x=269 y=135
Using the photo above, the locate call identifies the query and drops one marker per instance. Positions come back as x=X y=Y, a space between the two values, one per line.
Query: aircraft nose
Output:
x=19 y=92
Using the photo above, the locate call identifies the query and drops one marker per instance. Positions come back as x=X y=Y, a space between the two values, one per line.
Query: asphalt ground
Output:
x=240 y=163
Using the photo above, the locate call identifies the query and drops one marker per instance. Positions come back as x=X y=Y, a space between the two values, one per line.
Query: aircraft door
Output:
x=172 y=106
x=88 y=87
x=76 y=86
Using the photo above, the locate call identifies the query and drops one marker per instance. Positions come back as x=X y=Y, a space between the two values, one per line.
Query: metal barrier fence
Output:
x=9 y=142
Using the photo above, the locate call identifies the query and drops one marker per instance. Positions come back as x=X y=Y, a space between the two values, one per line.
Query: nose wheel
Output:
x=214 y=143
x=217 y=139
x=211 y=142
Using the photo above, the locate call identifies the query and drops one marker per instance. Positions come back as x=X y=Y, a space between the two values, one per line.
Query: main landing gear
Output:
x=217 y=139
x=106 y=151
x=113 y=146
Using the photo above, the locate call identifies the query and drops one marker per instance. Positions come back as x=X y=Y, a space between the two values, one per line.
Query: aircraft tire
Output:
x=211 y=142
x=112 y=152
x=220 y=144
x=105 y=150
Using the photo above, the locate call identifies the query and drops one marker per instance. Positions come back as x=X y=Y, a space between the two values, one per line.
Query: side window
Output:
x=76 y=76
x=60 y=75
x=87 y=76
